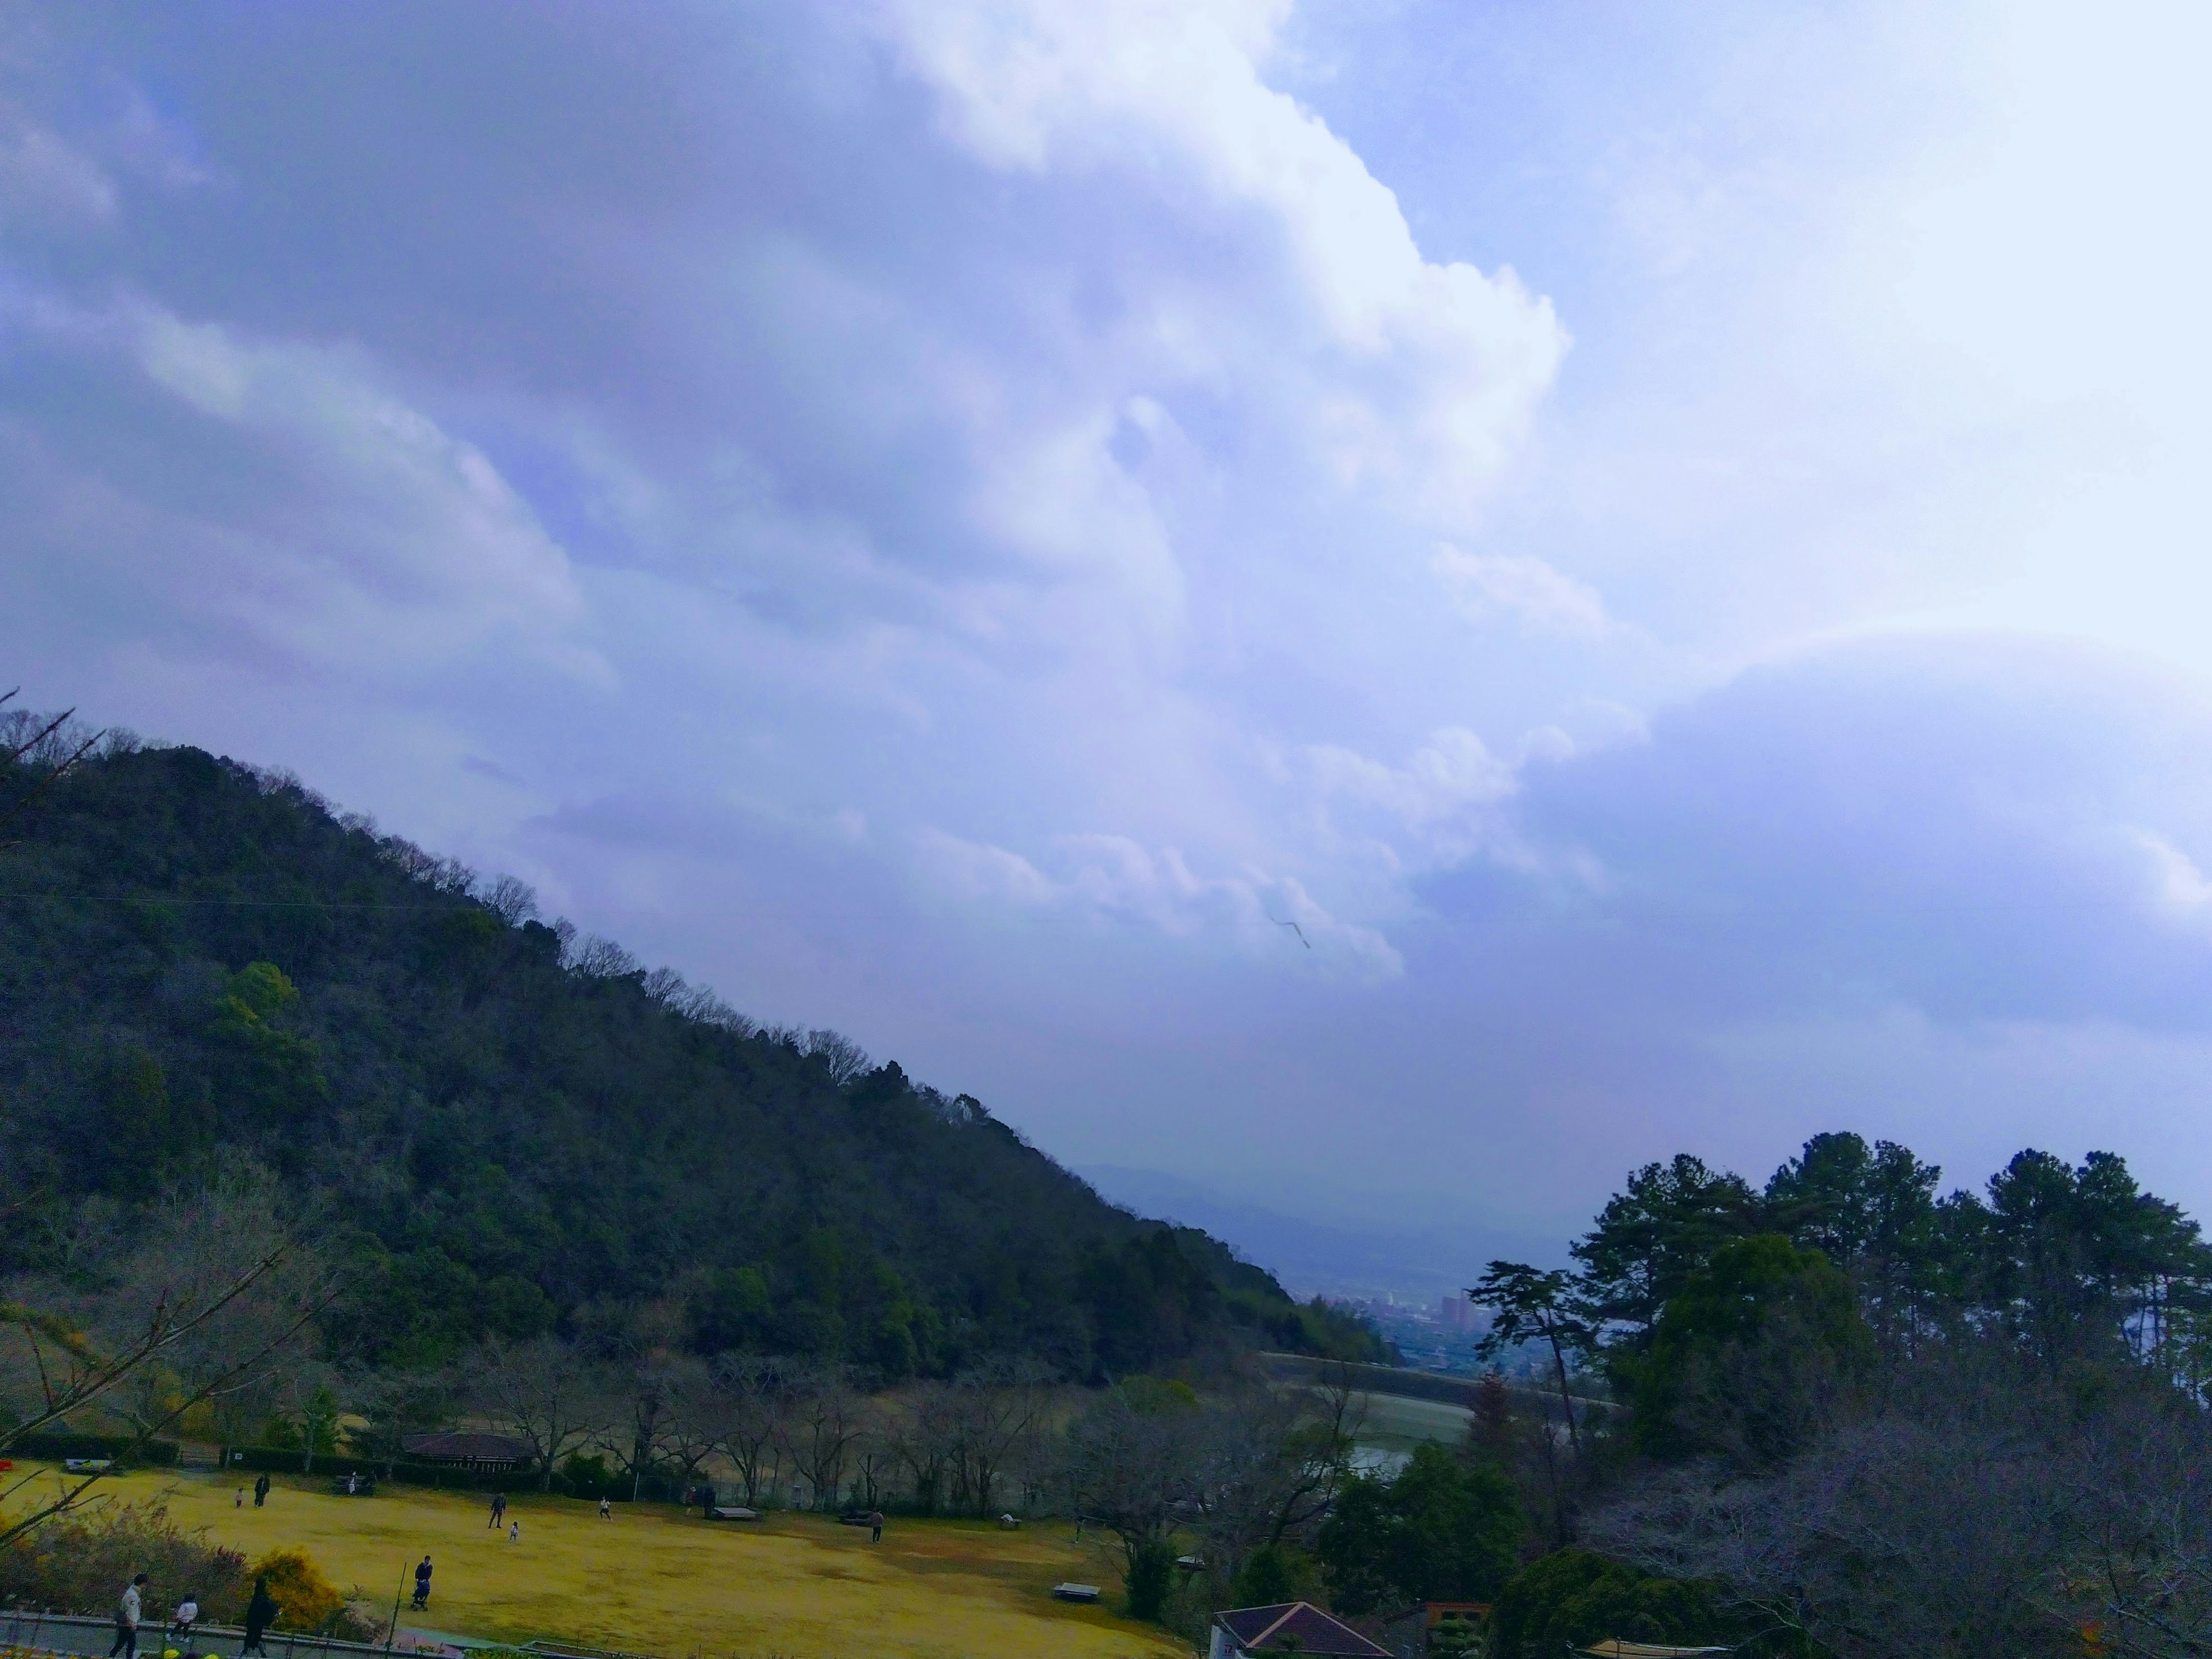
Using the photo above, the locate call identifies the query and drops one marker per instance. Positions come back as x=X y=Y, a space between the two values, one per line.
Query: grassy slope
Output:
x=656 y=1581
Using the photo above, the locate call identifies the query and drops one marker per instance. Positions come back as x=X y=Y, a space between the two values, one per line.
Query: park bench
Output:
x=732 y=1512
x=1075 y=1592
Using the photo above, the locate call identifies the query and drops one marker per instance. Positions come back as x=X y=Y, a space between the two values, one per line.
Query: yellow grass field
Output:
x=655 y=1580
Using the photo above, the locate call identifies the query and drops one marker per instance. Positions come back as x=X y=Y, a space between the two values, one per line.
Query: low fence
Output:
x=84 y=1633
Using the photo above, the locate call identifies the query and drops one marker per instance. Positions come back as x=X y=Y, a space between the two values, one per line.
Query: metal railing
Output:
x=85 y=1633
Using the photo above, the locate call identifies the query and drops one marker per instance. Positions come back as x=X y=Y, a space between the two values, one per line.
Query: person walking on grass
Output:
x=498 y=1511
x=514 y=1531
x=126 y=1620
x=606 y=1510
x=239 y=1502
x=260 y=1613
x=260 y=1491
x=875 y=1526
x=423 y=1583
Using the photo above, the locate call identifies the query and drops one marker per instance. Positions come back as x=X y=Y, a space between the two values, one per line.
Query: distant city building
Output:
x=1456 y=1313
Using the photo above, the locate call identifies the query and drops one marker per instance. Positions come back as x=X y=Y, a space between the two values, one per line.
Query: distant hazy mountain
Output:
x=1334 y=1257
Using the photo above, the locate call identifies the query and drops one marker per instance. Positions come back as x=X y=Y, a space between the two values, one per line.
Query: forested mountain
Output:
x=505 y=1132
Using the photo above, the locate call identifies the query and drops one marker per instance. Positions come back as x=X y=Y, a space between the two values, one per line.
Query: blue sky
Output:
x=1668 y=539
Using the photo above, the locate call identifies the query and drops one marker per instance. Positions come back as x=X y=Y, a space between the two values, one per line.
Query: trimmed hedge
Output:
x=281 y=1460
x=72 y=1444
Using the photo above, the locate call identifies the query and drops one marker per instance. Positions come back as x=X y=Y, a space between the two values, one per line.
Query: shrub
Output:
x=588 y=1477
x=306 y=1600
x=1573 y=1597
x=1151 y=1568
x=79 y=1564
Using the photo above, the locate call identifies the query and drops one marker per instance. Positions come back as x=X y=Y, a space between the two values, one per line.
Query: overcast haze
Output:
x=1668 y=539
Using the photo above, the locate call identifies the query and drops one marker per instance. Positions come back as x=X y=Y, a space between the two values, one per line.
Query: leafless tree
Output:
x=874 y=1456
x=2139 y=1566
x=1268 y=1464
x=54 y=744
x=822 y=1419
x=396 y=1404
x=1941 y=1526
x=694 y=1415
x=751 y=1418
x=844 y=1058
x=921 y=1438
x=203 y=1304
x=1127 y=1465
x=545 y=1393
x=511 y=901
x=602 y=958
x=995 y=1413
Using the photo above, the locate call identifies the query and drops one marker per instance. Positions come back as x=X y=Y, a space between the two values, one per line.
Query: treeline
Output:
x=1866 y=1419
x=1839 y=1415
x=502 y=1129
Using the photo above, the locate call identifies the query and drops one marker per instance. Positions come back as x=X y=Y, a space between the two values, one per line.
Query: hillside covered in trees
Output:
x=503 y=1130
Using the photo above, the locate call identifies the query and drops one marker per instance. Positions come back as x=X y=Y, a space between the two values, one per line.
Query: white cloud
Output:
x=2181 y=887
x=392 y=542
x=1420 y=378
x=1483 y=584
x=42 y=178
x=1453 y=770
x=1117 y=881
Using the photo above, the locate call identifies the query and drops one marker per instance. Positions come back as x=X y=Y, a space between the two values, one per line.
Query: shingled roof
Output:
x=466 y=1447
x=1265 y=1630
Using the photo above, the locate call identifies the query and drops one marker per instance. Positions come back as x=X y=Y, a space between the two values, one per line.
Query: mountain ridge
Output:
x=201 y=962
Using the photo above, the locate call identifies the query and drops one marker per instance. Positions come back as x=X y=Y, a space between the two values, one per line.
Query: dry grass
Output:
x=655 y=1580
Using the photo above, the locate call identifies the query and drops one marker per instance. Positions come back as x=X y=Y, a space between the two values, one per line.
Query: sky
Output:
x=1391 y=608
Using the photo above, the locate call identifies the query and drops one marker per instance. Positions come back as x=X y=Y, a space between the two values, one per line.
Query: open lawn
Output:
x=659 y=1581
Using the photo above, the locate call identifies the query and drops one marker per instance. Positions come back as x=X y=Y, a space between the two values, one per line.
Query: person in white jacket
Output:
x=126 y=1621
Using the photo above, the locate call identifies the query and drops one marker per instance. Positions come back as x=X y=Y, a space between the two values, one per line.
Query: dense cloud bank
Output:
x=1016 y=534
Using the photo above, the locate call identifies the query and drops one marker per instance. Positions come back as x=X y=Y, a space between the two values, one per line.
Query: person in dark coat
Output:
x=259 y=1611
x=423 y=1583
x=260 y=1491
x=498 y=1509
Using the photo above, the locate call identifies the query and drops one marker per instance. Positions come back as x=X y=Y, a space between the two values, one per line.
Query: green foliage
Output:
x=2066 y=1257
x=1759 y=1344
x=1151 y=1572
x=1439 y=1531
x=1149 y=1396
x=2078 y=1265
x=505 y=1130
x=1651 y=1236
x=1455 y=1636
x=1872 y=1213
x=1271 y=1574
x=589 y=1475
x=1573 y=1597
x=729 y=1309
